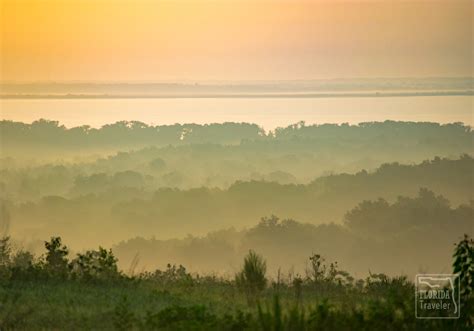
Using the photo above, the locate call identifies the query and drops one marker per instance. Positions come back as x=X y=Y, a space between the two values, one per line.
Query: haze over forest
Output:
x=228 y=165
x=196 y=194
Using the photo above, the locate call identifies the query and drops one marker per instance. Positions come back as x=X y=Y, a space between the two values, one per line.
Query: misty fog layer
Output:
x=354 y=193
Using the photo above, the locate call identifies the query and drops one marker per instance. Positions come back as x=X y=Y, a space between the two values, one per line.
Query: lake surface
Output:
x=266 y=112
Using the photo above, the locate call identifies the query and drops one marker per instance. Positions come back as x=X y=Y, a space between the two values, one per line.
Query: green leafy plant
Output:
x=251 y=279
x=99 y=264
x=56 y=257
x=172 y=276
x=5 y=257
x=463 y=265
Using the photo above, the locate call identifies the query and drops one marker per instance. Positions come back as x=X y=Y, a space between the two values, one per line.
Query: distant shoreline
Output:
x=237 y=95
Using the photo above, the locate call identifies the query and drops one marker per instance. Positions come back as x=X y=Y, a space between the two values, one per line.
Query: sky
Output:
x=145 y=40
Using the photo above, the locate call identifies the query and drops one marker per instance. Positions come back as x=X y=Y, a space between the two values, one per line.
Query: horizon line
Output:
x=193 y=81
x=240 y=95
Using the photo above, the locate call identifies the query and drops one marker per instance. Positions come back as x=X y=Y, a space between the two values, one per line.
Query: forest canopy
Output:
x=350 y=189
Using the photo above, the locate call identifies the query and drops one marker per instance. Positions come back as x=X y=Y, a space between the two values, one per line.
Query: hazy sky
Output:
x=144 y=40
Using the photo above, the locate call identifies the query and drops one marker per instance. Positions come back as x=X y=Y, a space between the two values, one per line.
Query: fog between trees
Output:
x=194 y=194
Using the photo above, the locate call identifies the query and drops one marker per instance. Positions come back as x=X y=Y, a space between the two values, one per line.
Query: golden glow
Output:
x=227 y=39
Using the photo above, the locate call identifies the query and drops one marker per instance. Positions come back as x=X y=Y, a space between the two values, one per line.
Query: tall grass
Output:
x=32 y=297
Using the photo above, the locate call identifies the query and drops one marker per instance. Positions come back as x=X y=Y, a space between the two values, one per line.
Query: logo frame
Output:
x=453 y=280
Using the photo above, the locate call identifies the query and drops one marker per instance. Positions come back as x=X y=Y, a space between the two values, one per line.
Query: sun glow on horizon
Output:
x=233 y=40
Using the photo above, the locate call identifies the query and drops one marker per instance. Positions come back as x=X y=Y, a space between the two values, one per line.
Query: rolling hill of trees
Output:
x=43 y=158
x=113 y=209
x=45 y=136
x=407 y=236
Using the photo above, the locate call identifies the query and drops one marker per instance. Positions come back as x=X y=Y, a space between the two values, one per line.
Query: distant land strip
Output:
x=236 y=95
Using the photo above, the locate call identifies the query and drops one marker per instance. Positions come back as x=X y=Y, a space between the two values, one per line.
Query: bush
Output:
x=5 y=256
x=173 y=275
x=463 y=265
x=100 y=264
x=321 y=276
x=23 y=260
x=251 y=280
x=56 y=257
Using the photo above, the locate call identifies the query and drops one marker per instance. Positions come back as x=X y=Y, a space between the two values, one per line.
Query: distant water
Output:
x=266 y=112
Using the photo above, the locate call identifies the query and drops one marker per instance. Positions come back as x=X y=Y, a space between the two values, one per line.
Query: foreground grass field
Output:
x=89 y=293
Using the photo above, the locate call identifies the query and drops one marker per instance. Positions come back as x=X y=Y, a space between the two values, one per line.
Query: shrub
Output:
x=317 y=269
x=319 y=273
x=56 y=257
x=176 y=275
x=5 y=256
x=251 y=279
x=23 y=260
x=463 y=265
x=100 y=264
x=5 y=251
